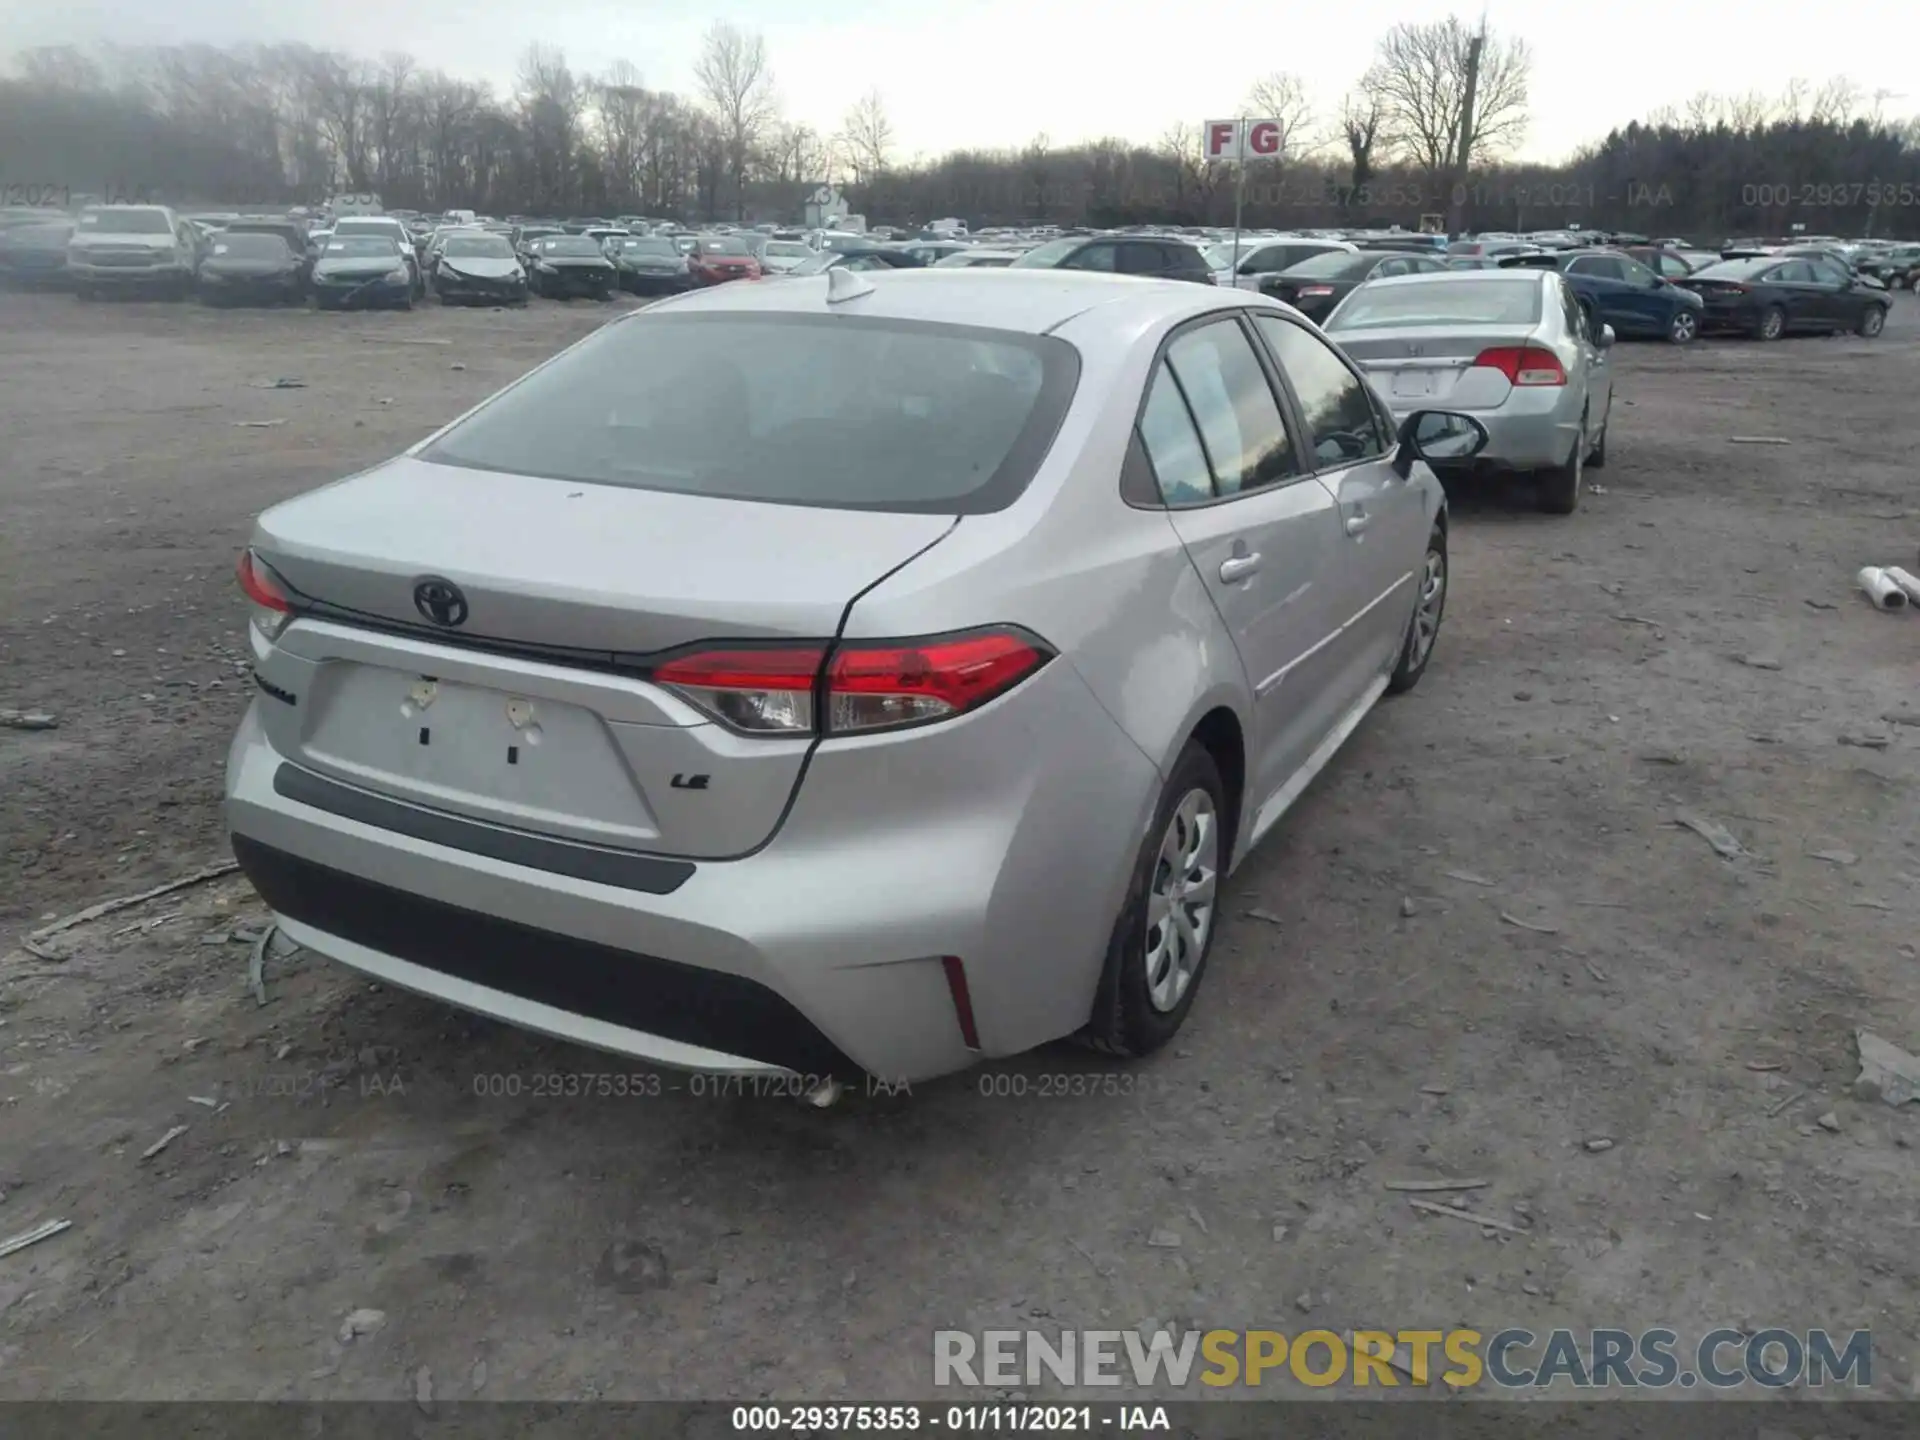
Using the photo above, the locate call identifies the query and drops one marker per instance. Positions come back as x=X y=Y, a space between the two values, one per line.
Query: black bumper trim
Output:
x=710 y=1008
x=649 y=874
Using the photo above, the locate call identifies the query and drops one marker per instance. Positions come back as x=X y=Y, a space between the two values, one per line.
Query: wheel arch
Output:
x=1220 y=733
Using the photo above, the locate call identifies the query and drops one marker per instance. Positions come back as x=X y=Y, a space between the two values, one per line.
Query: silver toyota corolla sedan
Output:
x=1510 y=348
x=866 y=675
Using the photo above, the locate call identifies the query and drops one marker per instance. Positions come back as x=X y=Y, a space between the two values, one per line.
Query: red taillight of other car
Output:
x=866 y=685
x=1523 y=364
x=267 y=595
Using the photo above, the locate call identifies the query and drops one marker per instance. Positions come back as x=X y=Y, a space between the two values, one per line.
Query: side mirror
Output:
x=1439 y=437
x=1604 y=340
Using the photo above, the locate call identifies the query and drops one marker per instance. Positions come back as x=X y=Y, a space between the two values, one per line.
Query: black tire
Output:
x=1125 y=1021
x=1597 y=457
x=1557 y=491
x=1872 y=321
x=1414 y=654
x=1771 y=325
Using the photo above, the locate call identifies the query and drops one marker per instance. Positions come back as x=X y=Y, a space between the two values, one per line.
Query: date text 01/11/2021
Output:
x=653 y=1084
x=44 y=196
x=983 y=1419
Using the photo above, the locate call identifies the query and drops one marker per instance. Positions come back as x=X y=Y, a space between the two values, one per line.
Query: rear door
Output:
x=1599 y=279
x=1839 y=297
x=1347 y=444
x=1805 y=303
x=1264 y=536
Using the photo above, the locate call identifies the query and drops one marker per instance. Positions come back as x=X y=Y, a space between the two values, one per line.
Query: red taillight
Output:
x=261 y=585
x=867 y=685
x=1523 y=364
x=767 y=691
x=266 y=593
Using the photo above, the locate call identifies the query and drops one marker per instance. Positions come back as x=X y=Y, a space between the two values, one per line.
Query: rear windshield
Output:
x=1333 y=265
x=1734 y=269
x=842 y=411
x=1441 y=300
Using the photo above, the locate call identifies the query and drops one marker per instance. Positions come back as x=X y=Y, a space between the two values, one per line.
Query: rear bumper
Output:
x=1522 y=435
x=1007 y=842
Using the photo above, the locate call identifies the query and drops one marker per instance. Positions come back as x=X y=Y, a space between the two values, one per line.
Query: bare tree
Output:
x=1361 y=120
x=866 y=136
x=1450 y=96
x=1281 y=96
x=736 y=81
x=550 y=103
x=1837 y=101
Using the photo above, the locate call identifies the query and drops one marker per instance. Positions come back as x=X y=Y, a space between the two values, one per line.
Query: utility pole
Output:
x=1456 y=188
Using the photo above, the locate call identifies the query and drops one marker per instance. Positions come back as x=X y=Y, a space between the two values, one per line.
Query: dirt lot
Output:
x=1482 y=943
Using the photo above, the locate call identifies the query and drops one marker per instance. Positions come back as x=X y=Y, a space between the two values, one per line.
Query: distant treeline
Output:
x=290 y=124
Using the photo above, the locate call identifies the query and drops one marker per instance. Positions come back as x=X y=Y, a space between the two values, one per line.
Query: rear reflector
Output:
x=962 y=999
x=866 y=685
x=1523 y=364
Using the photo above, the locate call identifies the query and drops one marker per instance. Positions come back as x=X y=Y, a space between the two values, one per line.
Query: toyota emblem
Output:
x=440 y=601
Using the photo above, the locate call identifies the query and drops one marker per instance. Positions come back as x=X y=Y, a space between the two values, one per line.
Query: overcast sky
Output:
x=994 y=73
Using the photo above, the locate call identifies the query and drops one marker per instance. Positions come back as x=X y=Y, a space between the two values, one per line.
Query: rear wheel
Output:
x=1772 y=324
x=1160 y=943
x=1873 y=320
x=1684 y=326
x=1557 y=492
x=1428 y=608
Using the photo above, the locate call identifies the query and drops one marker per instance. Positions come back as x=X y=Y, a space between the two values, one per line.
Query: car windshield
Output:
x=240 y=245
x=1735 y=269
x=1334 y=265
x=575 y=245
x=477 y=247
x=844 y=411
x=127 y=222
x=788 y=250
x=722 y=245
x=1441 y=300
x=368 y=227
x=37 y=237
x=361 y=247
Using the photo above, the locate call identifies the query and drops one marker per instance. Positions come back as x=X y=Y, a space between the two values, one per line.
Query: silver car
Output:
x=866 y=674
x=1511 y=348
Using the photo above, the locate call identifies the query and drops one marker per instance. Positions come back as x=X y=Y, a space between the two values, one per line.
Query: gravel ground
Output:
x=1478 y=945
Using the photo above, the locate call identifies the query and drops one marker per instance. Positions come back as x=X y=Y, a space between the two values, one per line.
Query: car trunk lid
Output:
x=535 y=710
x=1422 y=367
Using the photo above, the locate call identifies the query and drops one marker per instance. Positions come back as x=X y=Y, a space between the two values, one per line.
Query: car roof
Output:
x=1030 y=302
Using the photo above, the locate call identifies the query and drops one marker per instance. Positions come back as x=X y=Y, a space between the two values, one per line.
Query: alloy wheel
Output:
x=1433 y=600
x=1181 y=899
x=1685 y=326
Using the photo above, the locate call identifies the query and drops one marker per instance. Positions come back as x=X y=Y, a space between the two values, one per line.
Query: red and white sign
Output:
x=1256 y=139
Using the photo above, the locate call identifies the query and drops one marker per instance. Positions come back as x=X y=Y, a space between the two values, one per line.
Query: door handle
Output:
x=1239 y=567
x=1357 y=523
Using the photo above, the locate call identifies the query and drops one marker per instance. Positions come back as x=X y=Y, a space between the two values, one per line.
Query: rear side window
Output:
x=1173 y=445
x=1232 y=406
x=841 y=411
x=1342 y=425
